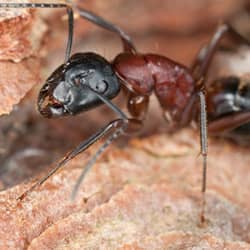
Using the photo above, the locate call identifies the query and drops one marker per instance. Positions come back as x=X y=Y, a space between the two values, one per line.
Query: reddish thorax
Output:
x=172 y=82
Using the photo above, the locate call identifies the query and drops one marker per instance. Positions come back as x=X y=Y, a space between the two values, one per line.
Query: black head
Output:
x=69 y=89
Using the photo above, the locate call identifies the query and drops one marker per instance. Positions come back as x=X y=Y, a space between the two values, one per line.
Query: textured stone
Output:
x=21 y=33
x=16 y=79
x=142 y=211
x=154 y=160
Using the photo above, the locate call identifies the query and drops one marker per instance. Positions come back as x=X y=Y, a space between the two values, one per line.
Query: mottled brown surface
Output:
x=15 y=26
x=21 y=32
x=175 y=16
x=170 y=160
x=16 y=79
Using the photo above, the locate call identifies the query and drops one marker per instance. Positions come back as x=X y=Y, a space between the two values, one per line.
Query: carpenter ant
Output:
x=87 y=80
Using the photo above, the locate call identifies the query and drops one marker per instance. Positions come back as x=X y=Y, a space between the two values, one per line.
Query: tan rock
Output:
x=21 y=33
x=155 y=159
x=16 y=79
x=187 y=241
x=142 y=211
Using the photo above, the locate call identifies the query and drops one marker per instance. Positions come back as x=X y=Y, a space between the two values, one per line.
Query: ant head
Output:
x=71 y=88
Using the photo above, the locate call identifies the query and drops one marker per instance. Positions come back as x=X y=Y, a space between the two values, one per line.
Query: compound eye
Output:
x=100 y=87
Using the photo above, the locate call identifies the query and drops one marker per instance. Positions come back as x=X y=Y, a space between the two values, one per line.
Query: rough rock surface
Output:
x=140 y=211
x=170 y=164
x=187 y=241
x=21 y=33
x=24 y=76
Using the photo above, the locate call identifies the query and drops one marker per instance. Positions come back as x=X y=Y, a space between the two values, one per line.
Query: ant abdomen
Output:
x=227 y=96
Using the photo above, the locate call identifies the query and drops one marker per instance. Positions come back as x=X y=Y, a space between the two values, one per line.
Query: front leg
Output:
x=113 y=130
x=138 y=106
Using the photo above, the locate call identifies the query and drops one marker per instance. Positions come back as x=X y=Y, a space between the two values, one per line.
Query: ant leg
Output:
x=199 y=59
x=138 y=106
x=189 y=114
x=228 y=123
x=120 y=130
x=72 y=154
x=127 y=43
x=203 y=145
x=205 y=56
x=50 y=5
x=120 y=125
x=199 y=71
